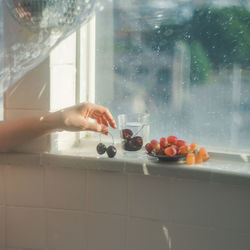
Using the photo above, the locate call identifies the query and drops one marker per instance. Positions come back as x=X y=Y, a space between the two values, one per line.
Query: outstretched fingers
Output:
x=94 y=126
x=104 y=116
x=103 y=121
x=109 y=118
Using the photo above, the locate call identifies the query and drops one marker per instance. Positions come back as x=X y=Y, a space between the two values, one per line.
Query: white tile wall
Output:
x=2 y=227
x=191 y=202
x=41 y=144
x=62 y=86
x=24 y=186
x=17 y=249
x=229 y=240
x=32 y=92
x=18 y=159
x=149 y=197
x=184 y=237
x=65 y=188
x=25 y=227
x=16 y=114
x=164 y=213
x=66 y=230
x=1 y=185
x=232 y=206
x=67 y=48
x=13 y=249
x=146 y=234
x=107 y=192
x=106 y=232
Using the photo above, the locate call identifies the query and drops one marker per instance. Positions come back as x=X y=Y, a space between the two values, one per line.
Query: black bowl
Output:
x=175 y=158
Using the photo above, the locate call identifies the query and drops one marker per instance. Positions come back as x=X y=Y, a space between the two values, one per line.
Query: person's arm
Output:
x=14 y=133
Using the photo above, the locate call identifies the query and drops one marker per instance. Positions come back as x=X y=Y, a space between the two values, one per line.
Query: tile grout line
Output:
x=4 y=174
x=87 y=207
x=44 y=208
x=4 y=206
x=128 y=207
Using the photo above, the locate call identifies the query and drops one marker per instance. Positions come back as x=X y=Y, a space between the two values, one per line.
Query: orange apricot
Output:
x=198 y=159
x=193 y=146
x=190 y=158
x=203 y=153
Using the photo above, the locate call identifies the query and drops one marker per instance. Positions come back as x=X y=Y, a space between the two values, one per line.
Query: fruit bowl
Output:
x=172 y=149
x=175 y=158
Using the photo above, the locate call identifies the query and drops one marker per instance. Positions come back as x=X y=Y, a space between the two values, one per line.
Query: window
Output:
x=72 y=67
x=185 y=62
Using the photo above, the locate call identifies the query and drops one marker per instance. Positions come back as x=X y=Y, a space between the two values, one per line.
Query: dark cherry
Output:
x=111 y=151
x=138 y=141
x=101 y=148
x=126 y=133
x=129 y=145
x=133 y=144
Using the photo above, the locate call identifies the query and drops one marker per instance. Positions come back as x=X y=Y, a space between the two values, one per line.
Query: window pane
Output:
x=185 y=62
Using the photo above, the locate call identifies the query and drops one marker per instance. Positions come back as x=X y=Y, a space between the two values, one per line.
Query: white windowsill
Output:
x=221 y=167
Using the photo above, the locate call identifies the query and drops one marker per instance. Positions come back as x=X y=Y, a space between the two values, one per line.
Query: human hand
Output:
x=75 y=118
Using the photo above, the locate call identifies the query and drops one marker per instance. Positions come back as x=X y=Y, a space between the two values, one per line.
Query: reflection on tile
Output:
x=190 y=238
x=65 y=76
x=148 y=234
x=64 y=53
x=36 y=84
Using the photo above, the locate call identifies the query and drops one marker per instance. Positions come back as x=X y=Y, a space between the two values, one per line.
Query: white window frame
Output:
x=79 y=52
x=85 y=68
x=85 y=62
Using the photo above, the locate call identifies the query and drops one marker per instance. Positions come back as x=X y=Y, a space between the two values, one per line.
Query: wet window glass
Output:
x=184 y=62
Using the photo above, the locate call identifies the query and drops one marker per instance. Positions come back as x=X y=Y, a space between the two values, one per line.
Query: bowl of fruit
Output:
x=173 y=149
x=134 y=130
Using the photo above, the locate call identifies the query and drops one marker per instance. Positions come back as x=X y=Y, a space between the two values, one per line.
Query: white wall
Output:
x=30 y=95
x=53 y=207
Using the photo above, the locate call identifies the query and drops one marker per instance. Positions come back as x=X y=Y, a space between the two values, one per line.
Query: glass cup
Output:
x=134 y=130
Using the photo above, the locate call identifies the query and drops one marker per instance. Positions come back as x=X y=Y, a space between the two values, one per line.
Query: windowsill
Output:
x=221 y=167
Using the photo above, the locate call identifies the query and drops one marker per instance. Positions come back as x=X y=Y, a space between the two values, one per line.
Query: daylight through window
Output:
x=186 y=63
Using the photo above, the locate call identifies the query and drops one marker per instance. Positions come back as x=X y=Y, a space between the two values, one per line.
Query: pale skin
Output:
x=75 y=118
